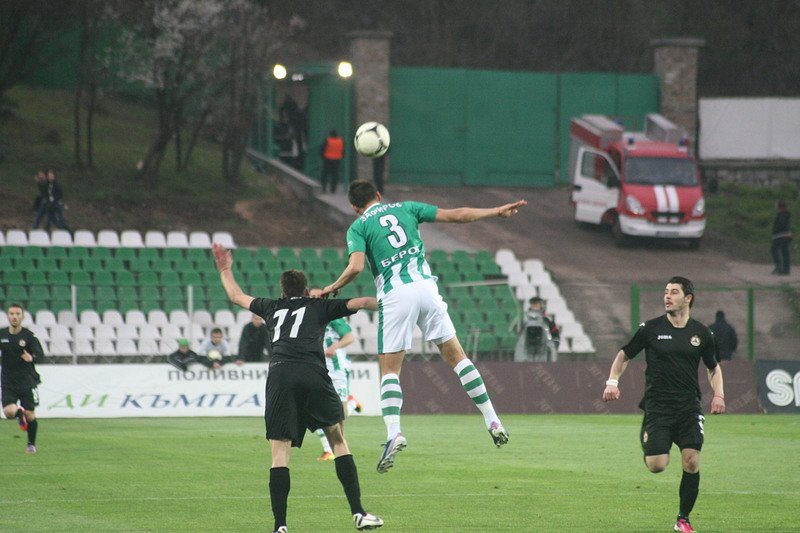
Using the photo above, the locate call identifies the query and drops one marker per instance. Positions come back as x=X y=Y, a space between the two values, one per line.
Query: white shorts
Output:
x=418 y=303
x=341 y=382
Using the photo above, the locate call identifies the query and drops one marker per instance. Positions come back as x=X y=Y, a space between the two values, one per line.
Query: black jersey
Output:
x=672 y=355
x=16 y=371
x=296 y=326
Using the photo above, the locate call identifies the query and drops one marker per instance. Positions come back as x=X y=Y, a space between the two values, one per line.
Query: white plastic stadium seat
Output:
x=105 y=332
x=67 y=318
x=149 y=331
x=148 y=347
x=90 y=317
x=515 y=279
x=541 y=278
x=155 y=239
x=135 y=317
x=127 y=347
x=504 y=255
x=203 y=318
x=2 y=238
x=61 y=237
x=59 y=347
x=105 y=347
x=199 y=239
x=45 y=318
x=166 y=347
x=194 y=333
x=179 y=317
x=224 y=238
x=532 y=266
x=171 y=333
x=107 y=238
x=84 y=237
x=177 y=239
x=112 y=317
x=549 y=292
x=157 y=317
x=571 y=329
x=525 y=292
x=60 y=332
x=38 y=237
x=127 y=332
x=40 y=332
x=130 y=238
x=83 y=347
x=224 y=318
x=82 y=332
x=3 y=320
x=16 y=237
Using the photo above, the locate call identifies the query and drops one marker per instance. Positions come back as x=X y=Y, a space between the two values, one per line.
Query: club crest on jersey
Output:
x=695 y=340
x=22 y=343
x=644 y=436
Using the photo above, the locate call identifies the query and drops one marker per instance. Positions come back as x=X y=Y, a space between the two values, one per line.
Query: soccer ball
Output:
x=214 y=355
x=372 y=139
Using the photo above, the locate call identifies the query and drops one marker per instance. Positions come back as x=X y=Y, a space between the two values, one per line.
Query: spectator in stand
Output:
x=254 y=340
x=781 y=237
x=332 y=154
x=537 y=305
x=39 y=203
x=53 y=203
x=181 y=357
x=215 y=351
x=726 y=337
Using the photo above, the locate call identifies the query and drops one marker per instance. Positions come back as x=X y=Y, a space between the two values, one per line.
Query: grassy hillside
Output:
x=37 y=130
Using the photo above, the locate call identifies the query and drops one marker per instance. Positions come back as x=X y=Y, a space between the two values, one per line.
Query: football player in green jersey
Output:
x=387 y=236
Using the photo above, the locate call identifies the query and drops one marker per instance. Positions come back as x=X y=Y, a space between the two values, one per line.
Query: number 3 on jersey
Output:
x=281 y=316
x=398 y=237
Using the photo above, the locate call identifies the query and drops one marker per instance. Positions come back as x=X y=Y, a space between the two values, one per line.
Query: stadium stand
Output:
x=130 y=293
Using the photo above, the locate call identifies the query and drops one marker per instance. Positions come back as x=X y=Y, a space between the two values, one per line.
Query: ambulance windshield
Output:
x=660 y=171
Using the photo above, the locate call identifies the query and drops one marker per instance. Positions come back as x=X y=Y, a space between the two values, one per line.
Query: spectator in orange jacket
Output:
x=332 y=155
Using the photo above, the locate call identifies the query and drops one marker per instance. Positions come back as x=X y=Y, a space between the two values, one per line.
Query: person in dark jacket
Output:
x=253 y=341
x=184 y=355
x=725 y=335
x=781 y=237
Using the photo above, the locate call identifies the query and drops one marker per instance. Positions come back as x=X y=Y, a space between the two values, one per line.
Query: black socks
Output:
x=690 y=486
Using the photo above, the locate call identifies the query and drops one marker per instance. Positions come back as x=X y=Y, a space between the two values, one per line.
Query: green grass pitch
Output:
x=558 y=473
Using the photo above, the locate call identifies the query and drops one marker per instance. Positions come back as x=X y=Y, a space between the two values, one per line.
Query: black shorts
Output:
x=300 y=397
x=659 y=431
x=27 y=398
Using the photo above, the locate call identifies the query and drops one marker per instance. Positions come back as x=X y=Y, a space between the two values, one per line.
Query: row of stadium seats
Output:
x=111 y=239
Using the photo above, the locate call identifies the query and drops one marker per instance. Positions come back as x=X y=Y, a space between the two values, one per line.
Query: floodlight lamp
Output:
x=345 y=69
x=279 y=71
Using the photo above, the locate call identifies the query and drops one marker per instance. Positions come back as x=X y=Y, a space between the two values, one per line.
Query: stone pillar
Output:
x=369 y=55
x=675 y=63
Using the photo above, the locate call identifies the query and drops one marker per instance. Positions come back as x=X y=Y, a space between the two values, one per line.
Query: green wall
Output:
x=472 y=127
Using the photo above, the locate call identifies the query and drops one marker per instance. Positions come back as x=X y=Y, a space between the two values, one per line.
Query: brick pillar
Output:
x=369 y=54
x=675 y=62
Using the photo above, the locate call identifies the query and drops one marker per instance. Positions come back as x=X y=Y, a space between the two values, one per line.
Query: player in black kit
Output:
x=300 y=394
x=20 y=349
x=674 y=344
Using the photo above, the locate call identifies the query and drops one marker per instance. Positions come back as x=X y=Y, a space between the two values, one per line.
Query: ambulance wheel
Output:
x=620 y=239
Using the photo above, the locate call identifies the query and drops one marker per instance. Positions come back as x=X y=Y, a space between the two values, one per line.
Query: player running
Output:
x=19 y=351
x=299 y=392
x=387 y=235
x=674 y=344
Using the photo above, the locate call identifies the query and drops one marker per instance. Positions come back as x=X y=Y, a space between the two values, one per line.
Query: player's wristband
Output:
x=613 y=382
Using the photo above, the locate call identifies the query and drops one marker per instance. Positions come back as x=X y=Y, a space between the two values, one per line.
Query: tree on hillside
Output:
x=25 y=25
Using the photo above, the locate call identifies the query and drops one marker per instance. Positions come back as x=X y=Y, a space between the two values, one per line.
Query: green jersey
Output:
x=335 y=330
x=388 y=234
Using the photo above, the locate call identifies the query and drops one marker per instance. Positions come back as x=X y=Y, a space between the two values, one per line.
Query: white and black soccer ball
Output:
x=372 y=139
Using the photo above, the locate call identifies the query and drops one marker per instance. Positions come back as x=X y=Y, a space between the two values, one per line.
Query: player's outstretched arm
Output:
x=618 y=367
x=354 y=267
x=369 y=303
x=224 y=262
x=471 y=214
